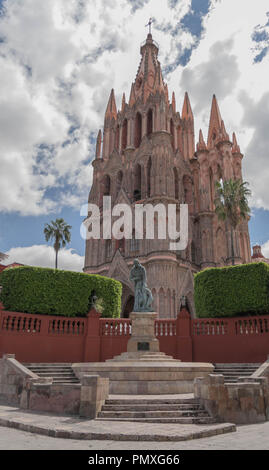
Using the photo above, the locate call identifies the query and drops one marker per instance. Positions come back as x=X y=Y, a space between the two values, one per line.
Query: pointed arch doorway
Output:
x=128 y=307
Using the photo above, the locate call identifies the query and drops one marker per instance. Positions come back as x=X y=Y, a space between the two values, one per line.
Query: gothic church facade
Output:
x=146 y=154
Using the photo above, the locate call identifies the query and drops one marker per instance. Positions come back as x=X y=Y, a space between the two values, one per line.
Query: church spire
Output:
x=201 y=144
x=98 y=144
x=186 y=110
x=174 y=102
x=149 y=78
x=123 y=103
x=132 y=98
x=235 y=148
x=111 y=110
x=224 y=134
x=188 y=127
x=215 y=121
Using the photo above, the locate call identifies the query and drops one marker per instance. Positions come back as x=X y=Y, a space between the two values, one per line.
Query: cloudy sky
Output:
x=59 y=60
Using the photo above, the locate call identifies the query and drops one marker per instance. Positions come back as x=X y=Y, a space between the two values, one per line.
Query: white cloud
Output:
x=44 y=256
x=265 y=249
x=223 y=64
x=59 y=61
x=218 y=74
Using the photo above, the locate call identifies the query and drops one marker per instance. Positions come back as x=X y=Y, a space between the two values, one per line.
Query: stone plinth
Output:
x=146 y=377
x=143 y=333
x=143 y=369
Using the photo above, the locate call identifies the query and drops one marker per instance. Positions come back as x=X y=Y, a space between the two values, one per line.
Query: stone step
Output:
x=55 y=374
x=155 y=401
x=64 y=380
x=237 y=364
x=160 y=407
x=155 y=409
x=48 y=364
x=192 y=420
x=232 y=372
x=234 y=369
x=146 y=358
x=60 y=373
x=153 y=414
x=54 y=369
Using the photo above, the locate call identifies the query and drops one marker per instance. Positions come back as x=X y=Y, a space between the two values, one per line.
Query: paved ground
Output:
x=251 y=437
x=78 y=428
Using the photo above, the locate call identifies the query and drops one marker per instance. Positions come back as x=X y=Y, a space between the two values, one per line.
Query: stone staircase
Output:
x=232 y=372
x=155 y=410
x=61 y=373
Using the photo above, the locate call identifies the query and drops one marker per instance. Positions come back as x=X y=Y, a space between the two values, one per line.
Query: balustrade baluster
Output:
x=15 y=323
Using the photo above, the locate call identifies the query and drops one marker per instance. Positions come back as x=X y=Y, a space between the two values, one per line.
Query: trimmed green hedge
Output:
x=232 y=291
x=54 y=292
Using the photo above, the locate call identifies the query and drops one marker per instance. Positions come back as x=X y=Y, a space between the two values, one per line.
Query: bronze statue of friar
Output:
x=143 y=295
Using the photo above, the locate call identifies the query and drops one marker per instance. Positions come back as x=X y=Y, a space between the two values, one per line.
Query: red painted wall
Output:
x=36 y=338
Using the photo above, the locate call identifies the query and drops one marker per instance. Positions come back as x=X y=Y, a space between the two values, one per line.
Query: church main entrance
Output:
x=128 y=307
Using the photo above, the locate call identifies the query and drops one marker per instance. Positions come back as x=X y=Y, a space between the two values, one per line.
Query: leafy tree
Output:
x=231 y=204
x=59 y=232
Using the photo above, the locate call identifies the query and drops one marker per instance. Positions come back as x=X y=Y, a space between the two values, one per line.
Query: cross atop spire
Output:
x=149 y=24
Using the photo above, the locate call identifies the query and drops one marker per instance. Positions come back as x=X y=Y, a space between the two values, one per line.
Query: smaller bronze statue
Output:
x=184 y=303
x=92 y=300
x=143 y=295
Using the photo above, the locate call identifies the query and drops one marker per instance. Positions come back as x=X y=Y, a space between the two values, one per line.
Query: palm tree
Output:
x=59 y=232
x=231 y=204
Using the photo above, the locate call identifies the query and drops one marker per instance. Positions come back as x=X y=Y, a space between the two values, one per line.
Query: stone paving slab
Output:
x=77 y=428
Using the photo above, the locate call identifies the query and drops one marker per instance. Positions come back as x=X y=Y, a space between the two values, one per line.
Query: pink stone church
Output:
x=147 y=154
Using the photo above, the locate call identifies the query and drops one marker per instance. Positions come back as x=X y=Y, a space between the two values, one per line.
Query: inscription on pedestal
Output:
x=142 y=346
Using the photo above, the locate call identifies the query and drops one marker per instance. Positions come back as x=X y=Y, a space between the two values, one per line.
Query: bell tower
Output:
x=146 y=155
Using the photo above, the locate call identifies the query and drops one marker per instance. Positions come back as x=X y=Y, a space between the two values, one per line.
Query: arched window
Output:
x=149 y=165
x=138 y=130
x=169 y=304
x=193 y=253
x=212 y=189
x=221 y=246
x=154 y=303
x=117 y=138
x=161 y=304
x=124 y=134
x=149 y=122
x=106 y=185
x=179 y=138
x=119 y=181
x=187 y=185
x=120 y=245
x=176 y=183
x=242 y=248
x=137 y=182
x=219 y=173
x=134 y=242
x=108 y=249
x=129 y=307
x=172 y=132
x=214 y=135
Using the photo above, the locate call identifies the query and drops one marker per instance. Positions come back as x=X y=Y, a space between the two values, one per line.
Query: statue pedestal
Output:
x=143 y=333
x=143 y=369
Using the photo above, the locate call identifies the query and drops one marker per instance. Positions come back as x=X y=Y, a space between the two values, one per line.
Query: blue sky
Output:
x=54 y=87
